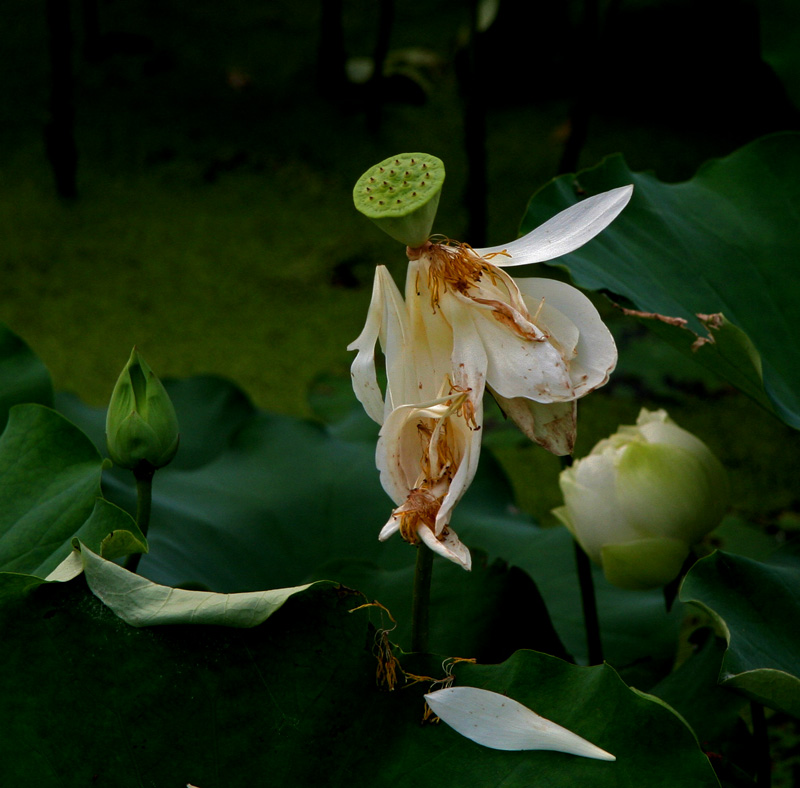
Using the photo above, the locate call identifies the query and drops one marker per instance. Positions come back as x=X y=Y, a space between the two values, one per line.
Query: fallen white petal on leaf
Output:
x=501 y=723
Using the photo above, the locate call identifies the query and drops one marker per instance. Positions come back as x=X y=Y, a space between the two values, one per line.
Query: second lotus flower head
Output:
x=642 y=498
x=465 y=325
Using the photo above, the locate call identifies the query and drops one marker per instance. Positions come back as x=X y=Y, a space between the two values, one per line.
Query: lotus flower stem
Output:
x=420 y=604
x=591 y=621
x=144 y=498
x=760 y=735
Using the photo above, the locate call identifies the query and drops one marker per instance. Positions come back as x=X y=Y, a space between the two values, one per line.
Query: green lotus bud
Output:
x=141 y=425
x=401 y=195
x=642 y=498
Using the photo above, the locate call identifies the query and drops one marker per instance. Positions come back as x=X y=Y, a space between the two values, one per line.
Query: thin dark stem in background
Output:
x=588 y=75
x=761 y=737
x=421 y=602
x=583 y=105
x=474 y=135
x=59 y=133
x=590 y=619
x=91 y=29
x=144 y=502
x=331 y=77
x=376 y=82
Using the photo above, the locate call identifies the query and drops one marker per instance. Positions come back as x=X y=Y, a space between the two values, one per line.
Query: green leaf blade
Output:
x=294 y=698
x=723 y=242
x=753 y=601
x=51 y=477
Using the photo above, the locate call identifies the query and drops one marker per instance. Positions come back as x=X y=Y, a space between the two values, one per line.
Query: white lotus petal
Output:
x=468 y=443
x=468 y=355
x=552 y=425
x=399 y=450
x=501 y=723
x=385 y=320
x=589 y=492
x=394 y=338
x=397 y=455
x=565 y=232
x=595 y=353
x=519 y=367
x=449 y=547
x=390 y=529
x=430 y=338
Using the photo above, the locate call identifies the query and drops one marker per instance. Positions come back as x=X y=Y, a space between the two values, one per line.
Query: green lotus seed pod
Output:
x=401 y=195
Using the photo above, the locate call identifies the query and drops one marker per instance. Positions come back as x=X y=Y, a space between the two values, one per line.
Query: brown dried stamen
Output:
x=454 y=265
x=420 y=509
x=466 y=409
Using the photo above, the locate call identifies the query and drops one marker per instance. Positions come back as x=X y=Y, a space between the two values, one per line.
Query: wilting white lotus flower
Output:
x=431 y=417
x=500 y=723
x=465 y=324
x=537 y=344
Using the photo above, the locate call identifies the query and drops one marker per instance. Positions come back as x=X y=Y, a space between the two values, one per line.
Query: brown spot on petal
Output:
x=509 y=316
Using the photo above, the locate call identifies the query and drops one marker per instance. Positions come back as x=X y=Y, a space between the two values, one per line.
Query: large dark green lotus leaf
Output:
x=757 y=605
x=109 y=531
x=14 y=585
x=282 y=498
x=23 y=377
x=694 y=692
x=275 y=499
x=635 y=626
x=597 y=705
x=292 y=701
x=724 y=242
x=487 y=613
x=50 y=477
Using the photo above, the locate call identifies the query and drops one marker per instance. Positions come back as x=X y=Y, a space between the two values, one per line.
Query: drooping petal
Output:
x=390 y=529
x=553 y=425
x=468 y=355
x=500 y=723
x=565 y=232
x=519 y=365
x=427 y=456
x=399 y=452
x=468 y=437
x=448 y=546
x=385 y=321
x=430 y=338
x=565 y=309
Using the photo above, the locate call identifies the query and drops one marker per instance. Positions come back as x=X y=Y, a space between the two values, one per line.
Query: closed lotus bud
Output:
x=141 y=425
x=642 y=498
